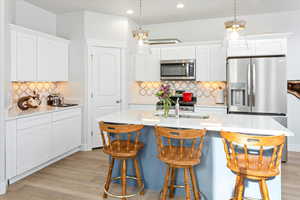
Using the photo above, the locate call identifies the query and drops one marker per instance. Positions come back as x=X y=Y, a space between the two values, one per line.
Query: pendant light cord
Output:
x=140 y=18
x=235 y=10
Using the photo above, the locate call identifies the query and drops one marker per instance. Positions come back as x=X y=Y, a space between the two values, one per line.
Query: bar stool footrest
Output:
x=140 y=189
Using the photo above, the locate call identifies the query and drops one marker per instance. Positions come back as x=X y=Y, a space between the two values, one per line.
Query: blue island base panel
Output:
x=215 y=180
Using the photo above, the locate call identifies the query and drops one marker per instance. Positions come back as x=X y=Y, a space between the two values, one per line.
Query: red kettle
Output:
x=187 y=96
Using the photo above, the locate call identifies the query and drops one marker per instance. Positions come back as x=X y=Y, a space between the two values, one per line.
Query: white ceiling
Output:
x=160 y=11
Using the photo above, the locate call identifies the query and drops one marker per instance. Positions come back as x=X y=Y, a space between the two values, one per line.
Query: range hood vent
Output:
x=163 y=41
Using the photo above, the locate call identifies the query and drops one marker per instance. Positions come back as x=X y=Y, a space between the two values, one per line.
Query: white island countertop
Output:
x=249 y=124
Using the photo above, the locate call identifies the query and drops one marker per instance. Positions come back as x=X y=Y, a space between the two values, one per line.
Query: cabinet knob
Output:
x=118 y=101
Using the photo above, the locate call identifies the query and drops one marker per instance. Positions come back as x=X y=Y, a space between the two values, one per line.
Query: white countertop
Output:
x=17 y=113
x=250 y=124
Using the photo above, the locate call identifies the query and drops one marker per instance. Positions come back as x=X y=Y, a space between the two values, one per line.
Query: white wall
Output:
x=213 y=29
x=105 y=27
x=33 y=17
x=6 y=17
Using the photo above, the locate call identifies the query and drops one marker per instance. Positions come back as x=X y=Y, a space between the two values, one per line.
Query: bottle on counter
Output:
x=177 y=108
x=220 y=97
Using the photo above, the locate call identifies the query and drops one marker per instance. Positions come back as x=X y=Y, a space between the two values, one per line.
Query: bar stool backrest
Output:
x=266 y=149
x=116 y=132
x=176 y=140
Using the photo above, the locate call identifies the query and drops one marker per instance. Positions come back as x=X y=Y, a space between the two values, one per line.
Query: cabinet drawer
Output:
x=33 y=121
x=66 y=114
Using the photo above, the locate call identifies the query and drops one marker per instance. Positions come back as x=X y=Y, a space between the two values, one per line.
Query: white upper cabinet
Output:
x=147 y=66
x=37 y=56
x=23 y=58
x=203 y=63
x=211 y=63
x=270 y=47
x=257 y=47
x=52 y=59
x=217 y=63
x=241 y=48
x=178 y=53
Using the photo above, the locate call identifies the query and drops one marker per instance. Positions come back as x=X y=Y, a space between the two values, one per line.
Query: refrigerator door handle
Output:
x=253 y=84
x=249 y=85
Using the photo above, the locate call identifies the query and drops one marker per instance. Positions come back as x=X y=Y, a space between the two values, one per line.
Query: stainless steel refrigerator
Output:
x=258 y=85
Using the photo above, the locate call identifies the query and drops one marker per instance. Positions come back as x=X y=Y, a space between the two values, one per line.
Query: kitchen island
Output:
x=215 y=180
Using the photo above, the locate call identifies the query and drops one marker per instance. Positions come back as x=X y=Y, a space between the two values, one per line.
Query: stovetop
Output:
x=181 y=102
x=184 y=106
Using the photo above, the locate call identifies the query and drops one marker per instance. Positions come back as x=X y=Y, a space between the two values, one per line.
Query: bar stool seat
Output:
x=172 y=156
x=122 y=148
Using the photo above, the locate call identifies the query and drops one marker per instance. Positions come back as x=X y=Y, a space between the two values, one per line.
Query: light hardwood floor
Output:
x=80 y=177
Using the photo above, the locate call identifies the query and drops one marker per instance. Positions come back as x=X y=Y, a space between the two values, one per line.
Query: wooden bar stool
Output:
x=179 y=149
x=122 y=148
x=253 y=157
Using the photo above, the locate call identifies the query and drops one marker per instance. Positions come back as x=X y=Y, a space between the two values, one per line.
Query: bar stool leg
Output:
x=138 y=174
x=186 y=184
x=123 y=178
x=166 y=184
x=173 y=179
x=237 y=183
x=194 y=183
x=241 y=188
x=264 y=190
x=108 y=178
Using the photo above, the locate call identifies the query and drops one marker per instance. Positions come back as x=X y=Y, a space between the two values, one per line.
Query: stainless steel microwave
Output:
x=178 y=70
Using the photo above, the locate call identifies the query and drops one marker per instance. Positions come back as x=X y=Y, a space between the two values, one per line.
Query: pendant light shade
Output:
x=140 y=35
x=235 y=27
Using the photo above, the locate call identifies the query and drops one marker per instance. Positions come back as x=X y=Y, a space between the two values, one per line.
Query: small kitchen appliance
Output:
x=54 y=100
x=178 y=70
x=187 y=96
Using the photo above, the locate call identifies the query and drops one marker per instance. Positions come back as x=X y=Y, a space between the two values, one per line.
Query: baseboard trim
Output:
x=85 y=147
x=31 y=171
x=294 y=147
x=3 y=187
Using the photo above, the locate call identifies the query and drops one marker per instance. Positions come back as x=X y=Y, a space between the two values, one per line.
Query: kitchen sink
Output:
x=188 y=116
x=65 y=105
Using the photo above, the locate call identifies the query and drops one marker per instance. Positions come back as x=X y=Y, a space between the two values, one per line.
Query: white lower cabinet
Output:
x=66 y=132
x=33 y=147
x=32 y=142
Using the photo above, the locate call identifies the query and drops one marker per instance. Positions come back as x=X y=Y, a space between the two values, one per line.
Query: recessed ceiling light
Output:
x=129 y=12
x=180 y=5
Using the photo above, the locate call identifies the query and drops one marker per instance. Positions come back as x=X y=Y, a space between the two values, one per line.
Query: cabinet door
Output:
x=52 y=60
x=33 y=147
x=270 y=47
x=26 y=60
x=177 y=53
x=241 y=48
x=147 y=67
x=203 y=63
x=140 y=67
x=11 y=149
x=13 y=55
x=66 y=135
x=217 y=63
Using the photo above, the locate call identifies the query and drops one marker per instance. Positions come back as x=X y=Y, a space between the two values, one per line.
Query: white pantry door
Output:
x=106 y=80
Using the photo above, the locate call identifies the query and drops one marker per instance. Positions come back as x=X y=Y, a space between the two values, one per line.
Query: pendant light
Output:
x=235 y=27
x=140 y=35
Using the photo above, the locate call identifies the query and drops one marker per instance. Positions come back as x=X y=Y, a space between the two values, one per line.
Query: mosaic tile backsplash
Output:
x=206 y=92
x=21 y=89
